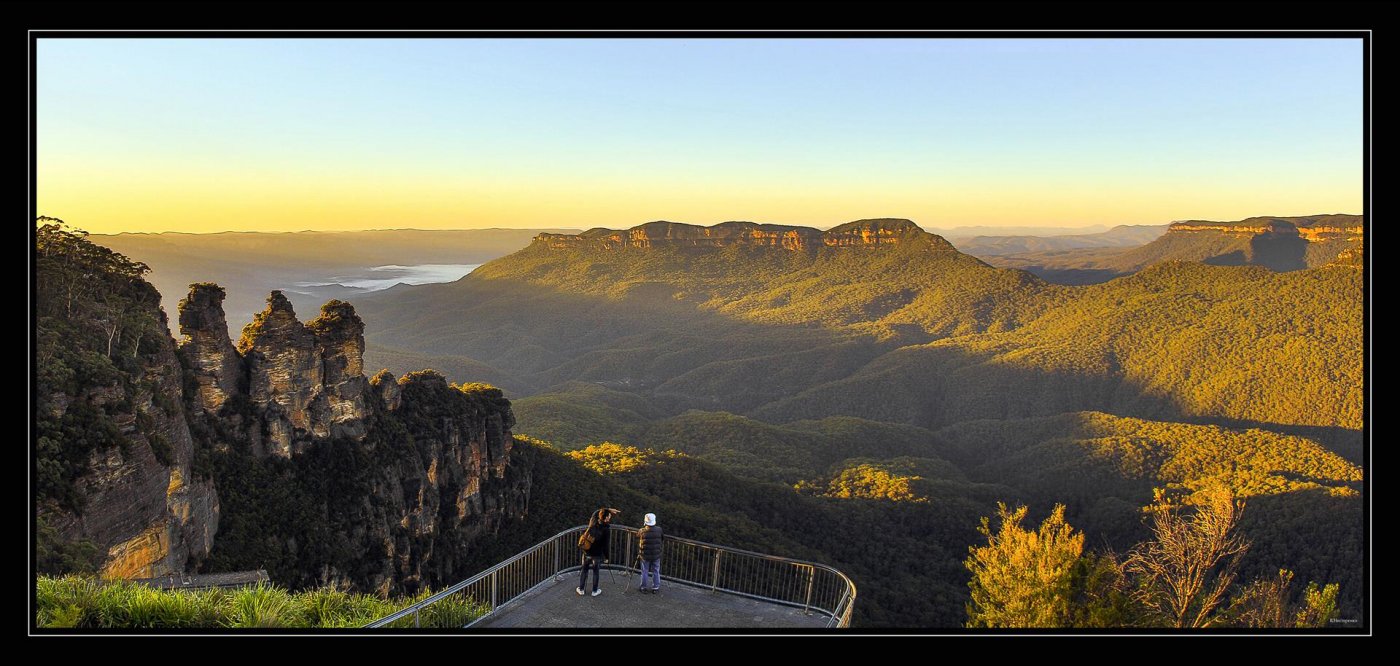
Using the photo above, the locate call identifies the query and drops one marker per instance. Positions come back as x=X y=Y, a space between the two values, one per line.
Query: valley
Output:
x=754 y=383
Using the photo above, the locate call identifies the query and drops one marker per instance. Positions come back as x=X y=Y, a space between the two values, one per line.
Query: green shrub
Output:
x=85 y=602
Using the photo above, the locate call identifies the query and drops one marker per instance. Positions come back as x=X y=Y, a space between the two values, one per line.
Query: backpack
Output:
x=589 y=536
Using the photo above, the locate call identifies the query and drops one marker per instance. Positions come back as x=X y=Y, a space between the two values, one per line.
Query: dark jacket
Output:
x=600 y=545
x=649 y=543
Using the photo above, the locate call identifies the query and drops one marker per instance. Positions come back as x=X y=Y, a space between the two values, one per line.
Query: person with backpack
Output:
x=594 y=543
x=649 y=553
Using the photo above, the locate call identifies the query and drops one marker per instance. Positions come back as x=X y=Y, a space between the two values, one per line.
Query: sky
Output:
x=203 y=135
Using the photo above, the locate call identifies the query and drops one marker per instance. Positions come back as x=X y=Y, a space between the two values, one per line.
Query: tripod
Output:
x=626 y=576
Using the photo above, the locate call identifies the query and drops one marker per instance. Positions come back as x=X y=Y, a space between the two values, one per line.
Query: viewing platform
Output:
x=703 y=586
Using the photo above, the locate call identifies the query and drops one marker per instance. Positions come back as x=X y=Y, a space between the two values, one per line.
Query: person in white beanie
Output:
x=649 y=553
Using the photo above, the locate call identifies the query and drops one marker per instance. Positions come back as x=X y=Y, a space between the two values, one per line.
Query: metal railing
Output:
x=815 y=588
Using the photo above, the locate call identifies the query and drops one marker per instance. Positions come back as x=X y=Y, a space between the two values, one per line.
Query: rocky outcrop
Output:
x=460 y=487
x=212 y=359
x=306 y=381
x=142 y=506
x=284 y=373
x=384 y=384
x=1314 y=228
x=871 y=232
x=342 y=406
x=675 y=234
x=1322 y=233
x=861 y=233
x=323 y=476
x=432 y=472
x=1277 y=243
x=1235 y=229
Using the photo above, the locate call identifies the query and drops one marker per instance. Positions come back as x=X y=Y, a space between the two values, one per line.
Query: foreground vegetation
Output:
x=1186 y=576
x=87 y=603
x=899 y=527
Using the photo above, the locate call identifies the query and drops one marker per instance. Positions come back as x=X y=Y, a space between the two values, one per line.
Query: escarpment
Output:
x=274 y=453
x=406 y=472
x=1315 y=229
x=115 y=457
x=1278 y=243
x=143 y=506
x=727 y=234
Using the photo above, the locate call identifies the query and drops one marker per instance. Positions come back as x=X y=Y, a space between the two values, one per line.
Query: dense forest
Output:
x=874 y=408
x=906 y=375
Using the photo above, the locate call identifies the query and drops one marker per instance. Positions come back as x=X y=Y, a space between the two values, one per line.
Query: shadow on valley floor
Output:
x=614 y=368
x=662 y=348
x=1349 y=443
x=652 y=344
x=1074 y=276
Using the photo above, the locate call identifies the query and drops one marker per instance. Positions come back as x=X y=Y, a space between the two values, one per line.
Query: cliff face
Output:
x=284 y=374
x=143 y=508
x=213 y=361
x=461 y=485
x=1317 y=228
x=1320 y=233
x=404 y=474
x=726 y=234
x=1277 y=243
x=341 y=407
x=871 y=232
x=306 y=380
x=321 y=475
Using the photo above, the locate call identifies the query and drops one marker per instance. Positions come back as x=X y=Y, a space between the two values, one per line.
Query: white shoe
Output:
x=595 y=592
x=579 y=590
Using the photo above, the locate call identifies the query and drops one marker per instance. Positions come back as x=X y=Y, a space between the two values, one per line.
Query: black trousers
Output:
x=589 y=560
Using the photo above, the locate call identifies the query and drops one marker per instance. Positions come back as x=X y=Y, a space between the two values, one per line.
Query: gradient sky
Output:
x=209 y=134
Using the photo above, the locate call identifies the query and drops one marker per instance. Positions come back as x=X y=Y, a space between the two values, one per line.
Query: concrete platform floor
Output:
x=557 y=606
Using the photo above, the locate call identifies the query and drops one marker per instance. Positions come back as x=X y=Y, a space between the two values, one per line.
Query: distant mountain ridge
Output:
x=1278 y=243
x=1119 y=236
x=1312 y=227
x=882 y=231
x=251 y=264
x=733 y=320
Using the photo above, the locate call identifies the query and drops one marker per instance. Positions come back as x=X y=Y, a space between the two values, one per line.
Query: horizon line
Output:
x=563 y=228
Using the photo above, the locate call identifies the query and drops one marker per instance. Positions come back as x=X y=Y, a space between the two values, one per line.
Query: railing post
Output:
x=714 y=581
x=811 y=578
x=744 y=580
x=626 y=563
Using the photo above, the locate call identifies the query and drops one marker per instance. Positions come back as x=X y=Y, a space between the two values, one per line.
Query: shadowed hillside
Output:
x=859 y=367
x=756 y=385
x=1277 y=243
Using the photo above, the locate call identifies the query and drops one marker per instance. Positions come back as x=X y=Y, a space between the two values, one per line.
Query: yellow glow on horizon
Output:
x=230 y=199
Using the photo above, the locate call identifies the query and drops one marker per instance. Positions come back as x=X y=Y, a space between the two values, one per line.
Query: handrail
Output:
x=791 y=582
